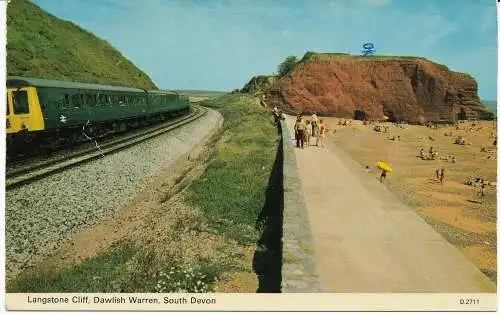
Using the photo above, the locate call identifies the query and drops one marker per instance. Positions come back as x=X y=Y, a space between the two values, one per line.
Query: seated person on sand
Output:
x=422 y=153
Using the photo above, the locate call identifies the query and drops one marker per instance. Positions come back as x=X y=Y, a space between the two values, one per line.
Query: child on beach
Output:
x=309 y=132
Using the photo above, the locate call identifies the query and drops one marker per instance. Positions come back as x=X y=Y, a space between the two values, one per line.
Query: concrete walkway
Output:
x=366 y=240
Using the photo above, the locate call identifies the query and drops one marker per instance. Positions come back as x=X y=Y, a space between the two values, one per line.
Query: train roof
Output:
x=162 y=92
x=19 y=81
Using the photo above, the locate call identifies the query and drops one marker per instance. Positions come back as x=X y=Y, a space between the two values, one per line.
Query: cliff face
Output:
x=401 y=88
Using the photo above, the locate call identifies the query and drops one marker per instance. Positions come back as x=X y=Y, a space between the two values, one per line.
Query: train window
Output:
x=108 y=97
x=21 y=105
x=7 y=104
x=102 y=99
x=76 y=101
x=115 y=99
x=66 y=100
x=82 y=99
x=90 y=100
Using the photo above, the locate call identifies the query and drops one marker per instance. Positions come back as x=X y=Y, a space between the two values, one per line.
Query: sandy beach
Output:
x=453 y=209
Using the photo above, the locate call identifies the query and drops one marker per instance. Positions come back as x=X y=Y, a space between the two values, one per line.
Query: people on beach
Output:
x=481 y=192
x=383 y=175
x=299 y=128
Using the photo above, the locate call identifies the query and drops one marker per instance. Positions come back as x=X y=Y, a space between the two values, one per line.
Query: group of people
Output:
x=440 y=175
x=430 y=156
x=305 y=130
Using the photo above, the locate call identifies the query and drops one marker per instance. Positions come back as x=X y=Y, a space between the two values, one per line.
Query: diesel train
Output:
x=53 y=113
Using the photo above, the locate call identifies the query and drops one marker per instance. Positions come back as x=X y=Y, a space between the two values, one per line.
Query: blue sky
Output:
x=221 y=44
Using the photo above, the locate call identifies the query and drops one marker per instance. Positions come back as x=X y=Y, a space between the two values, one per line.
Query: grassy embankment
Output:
x=227 y=198
x=42 y=45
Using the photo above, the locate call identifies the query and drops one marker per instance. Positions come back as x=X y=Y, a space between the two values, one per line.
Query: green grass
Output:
x=42 y=45
x=231 y=190
x=103 y=273
x=121 y=268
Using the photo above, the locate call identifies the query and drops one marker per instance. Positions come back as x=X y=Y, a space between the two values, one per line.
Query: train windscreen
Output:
x=21 y=105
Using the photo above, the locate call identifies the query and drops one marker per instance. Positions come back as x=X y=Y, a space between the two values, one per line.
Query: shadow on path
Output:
x=267 y=259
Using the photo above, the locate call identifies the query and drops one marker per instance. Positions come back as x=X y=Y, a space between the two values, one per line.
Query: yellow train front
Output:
x=52 y=113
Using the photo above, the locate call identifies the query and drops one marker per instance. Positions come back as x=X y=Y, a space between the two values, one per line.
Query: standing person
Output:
x=314 y=119
x=383 y=175
x=438 y=174
x=321 y=134
x=300 y=127
x=481 y=192
x=441 y=176
x=308 y=132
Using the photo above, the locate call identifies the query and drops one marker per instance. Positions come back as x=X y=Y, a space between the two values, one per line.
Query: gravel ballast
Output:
x=40 y=216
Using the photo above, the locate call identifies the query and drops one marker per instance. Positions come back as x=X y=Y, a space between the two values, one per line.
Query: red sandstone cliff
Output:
x=402 y=88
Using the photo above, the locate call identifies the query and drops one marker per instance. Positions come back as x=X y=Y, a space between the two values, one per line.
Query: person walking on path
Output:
x=441 y=176
x=321 y=134
x=300 y=128
x=308 y=132
x=315 y=123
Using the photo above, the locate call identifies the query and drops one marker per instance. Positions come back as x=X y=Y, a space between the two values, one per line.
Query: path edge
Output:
x=299 y=267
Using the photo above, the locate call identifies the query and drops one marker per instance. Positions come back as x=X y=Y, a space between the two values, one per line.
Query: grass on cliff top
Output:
x=310 y=55
x=230 y=192
x=42 y=45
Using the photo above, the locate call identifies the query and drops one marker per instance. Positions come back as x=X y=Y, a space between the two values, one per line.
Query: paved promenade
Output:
x=366 y=240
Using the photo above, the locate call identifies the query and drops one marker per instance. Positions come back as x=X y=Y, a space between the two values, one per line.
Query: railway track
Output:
x=35 y=171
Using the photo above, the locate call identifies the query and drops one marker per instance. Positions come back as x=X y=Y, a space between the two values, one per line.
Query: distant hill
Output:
x=42 y=45
x=200 y=93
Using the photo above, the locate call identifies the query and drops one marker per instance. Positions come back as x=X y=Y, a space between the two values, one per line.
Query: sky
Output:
x=221 y=44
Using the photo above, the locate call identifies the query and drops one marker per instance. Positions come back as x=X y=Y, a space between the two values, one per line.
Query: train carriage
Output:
x=60 y=110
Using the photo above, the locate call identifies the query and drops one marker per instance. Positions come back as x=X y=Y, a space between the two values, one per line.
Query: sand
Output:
x=453 y=208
